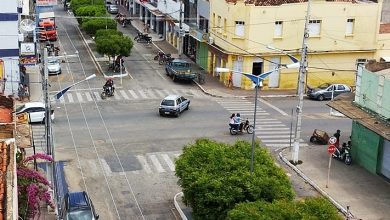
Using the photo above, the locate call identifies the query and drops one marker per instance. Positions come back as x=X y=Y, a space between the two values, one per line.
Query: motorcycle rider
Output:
x=238 y=121
x=232 y=121
x=109 y=86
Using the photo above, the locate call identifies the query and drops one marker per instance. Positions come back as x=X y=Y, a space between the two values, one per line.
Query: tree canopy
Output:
x=84 y=12
x=107 y=32
x=92 y=25
x=215 y=177
x=114 y=45
x=76 y=4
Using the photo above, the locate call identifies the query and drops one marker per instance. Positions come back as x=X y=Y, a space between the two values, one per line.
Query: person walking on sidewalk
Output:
x=230 y=80
x=337 y=136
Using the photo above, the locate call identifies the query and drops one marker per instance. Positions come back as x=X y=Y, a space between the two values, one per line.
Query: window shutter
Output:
x=349 y=29
x=240 y=28
x=278 y=28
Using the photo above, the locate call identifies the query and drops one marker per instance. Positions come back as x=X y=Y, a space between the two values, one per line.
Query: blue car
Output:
x=327 y=90
x=76 y=206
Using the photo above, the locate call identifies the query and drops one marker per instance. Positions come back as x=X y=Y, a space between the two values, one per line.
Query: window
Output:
x=224 y=25
x=350 y=26
x=314 y=27
x=240 y=28
x=278 y=28
x=219 y=24
x=340 y=87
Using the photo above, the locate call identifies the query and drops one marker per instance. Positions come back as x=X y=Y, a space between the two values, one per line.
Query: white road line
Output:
x=160 y=94
x=272 y=136
x=176 y=155
x=142 y=93
x=116 y=96
x=70 y=97
x=144 y=164
x=151 y=94
x=274 y=107
x=169 y=162
x=175 y=91
x=271 y=125
x=97 y=96
x=286 y=145
x=124 y=94
x=166 y=92
x=272 y=132
x=277 y=141
x=89 y=97
x=267 y=122
x=106 y=167
x=133 y=94
x=62 y=99
x=271 y=129
x=156 y=164
x=79 y=97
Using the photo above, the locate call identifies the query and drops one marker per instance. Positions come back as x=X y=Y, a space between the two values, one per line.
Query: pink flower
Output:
x=39 y=156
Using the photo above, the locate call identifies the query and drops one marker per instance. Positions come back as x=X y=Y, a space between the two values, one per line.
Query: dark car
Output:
x=327 y=90
x=76 y=206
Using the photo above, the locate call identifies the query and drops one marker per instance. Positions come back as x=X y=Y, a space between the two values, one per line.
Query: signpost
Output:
x=331 y=150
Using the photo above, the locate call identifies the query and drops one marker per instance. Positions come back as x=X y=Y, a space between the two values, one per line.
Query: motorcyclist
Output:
x=337 y=136
x=109 y=86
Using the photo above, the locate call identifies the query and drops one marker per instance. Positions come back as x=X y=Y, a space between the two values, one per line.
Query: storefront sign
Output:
x=27 y=49
x=46 y=2
x=28 y=60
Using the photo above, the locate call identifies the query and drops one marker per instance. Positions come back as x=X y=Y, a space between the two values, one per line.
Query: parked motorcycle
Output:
x=343 y=154
x=163 y=58
x=143 y=38
x=245 y=126
x=107 y=92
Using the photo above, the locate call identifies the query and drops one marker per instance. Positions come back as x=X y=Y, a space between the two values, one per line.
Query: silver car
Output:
x=173 y=105
x=54 y=66
x=113 y=9
x=327 y=90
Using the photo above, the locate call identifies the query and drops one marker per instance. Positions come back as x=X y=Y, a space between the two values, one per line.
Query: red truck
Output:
x=47 y=27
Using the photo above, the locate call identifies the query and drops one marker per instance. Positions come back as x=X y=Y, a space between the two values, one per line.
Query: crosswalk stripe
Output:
x=277 y=141
x=272 y=132
x=79 y=97
x=286 y=145
x=160 y=94
x=144 y=164
x=116 y=96
x=62 y=99
x=151 y=94
x=271 y=125
x=142 y=93
x=175 y=92
x=176 y=155
x=88 y=95
x=97 y=96
x=273 y=136
x=166 y=92
x=70 y=97
x=133 y=94
x=156 y=163
x=124 y=94
x=270 y=129
x=268 y=122
x=168 y=161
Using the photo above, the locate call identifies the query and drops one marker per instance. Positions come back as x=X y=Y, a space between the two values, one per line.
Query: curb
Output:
x=346 y=213
x=177 y=206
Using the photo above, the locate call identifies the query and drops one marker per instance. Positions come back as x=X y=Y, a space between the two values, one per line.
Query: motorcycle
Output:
x=143 y=38
x=107 y=92
x=246 y=126
x=163 y=58
x=343 y=154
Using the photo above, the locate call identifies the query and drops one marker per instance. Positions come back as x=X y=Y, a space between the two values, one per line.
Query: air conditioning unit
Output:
x=211 y=40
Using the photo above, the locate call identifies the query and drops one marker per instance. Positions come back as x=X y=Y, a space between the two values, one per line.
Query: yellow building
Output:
x=341 y=34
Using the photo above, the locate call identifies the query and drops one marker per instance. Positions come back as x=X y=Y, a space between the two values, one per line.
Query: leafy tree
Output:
x=313 y=208
x=76 y=4
x=215 y=177
x=114 y=45
x=90 y=11
x=92 y=25
x=107 y=32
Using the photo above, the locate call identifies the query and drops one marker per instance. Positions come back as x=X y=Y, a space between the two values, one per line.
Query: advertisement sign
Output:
x=46 y=2
x=28 y=60
x=27 y=49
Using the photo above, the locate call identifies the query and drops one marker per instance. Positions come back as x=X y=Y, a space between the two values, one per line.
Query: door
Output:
x=36 y=114
x=237 y=66
x=274 y=76
x=385 y=168
x=329 y=91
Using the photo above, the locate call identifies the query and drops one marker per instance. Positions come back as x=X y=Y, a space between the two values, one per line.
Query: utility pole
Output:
x=301 y=85
x=181 y=30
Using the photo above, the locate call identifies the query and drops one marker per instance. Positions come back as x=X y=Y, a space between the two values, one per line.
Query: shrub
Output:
x=107 y=32
x=90 y=11
x=76 y=4
x=92 y=25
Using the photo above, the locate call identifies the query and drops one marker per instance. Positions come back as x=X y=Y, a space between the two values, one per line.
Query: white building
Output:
x=9 y=47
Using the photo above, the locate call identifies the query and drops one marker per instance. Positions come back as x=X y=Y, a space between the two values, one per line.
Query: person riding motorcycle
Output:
x=109 y=87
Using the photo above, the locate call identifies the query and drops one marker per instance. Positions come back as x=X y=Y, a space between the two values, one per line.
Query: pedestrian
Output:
x=26 y=92
x=230 y=80
x=20 y=91
x=145 y=29
x=337 y=136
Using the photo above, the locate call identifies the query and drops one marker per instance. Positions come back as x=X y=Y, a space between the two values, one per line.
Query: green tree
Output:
x=215 y=177
x=312 y=208
x=90 y=11
x=76 y=4
x=114 y=45
x=92 y=25
x=107 y=32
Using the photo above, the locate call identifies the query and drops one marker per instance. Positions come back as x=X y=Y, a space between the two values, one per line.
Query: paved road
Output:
x=122 y=152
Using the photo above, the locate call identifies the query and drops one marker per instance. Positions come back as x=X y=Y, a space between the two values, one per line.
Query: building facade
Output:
x=9 y=47
x=341 y=33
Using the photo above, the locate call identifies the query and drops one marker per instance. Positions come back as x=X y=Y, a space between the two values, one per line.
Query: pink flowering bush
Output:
x=33 y=187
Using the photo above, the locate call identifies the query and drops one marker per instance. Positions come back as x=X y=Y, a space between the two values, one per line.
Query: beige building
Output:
x=341 y=34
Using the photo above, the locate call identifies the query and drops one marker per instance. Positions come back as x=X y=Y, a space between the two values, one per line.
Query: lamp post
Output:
x=59 y=94
x=256 y=80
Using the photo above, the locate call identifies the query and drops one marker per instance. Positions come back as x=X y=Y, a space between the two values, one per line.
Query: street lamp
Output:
x=59 y=94
x=257 y=80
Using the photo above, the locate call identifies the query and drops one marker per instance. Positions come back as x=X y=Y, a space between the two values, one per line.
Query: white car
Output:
x=173 y=105
x=54 y=66
x=36 y=111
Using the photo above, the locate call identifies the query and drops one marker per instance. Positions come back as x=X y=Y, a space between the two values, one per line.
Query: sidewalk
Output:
x=368 y=195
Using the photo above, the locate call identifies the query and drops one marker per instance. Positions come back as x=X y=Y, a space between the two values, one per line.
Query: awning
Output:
x=152 y=9
x=198 y=35
x=183 y=25
x=344 y=103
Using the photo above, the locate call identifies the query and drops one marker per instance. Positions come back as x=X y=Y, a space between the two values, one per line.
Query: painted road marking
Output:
x=133 y=94
x=79 y=97
x=97 y=96
x=89 y=97
x=124 y=94
x=144 y=164
x=70 y=97
x=169 y=162
x=156 y=163
x=142 y=93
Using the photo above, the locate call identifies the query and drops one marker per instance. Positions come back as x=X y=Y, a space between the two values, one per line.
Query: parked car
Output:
x=78 y=205
x=180 y=70
x=36 y=111
x=112 y=9
x=173 y=105
x=325 y=91
x=54 y=66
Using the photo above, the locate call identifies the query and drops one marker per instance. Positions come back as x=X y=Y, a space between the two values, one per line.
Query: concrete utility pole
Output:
x=181 y=30
x=301 y=85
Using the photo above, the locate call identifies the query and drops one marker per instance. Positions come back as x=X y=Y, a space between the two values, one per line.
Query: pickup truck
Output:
x=180 y=70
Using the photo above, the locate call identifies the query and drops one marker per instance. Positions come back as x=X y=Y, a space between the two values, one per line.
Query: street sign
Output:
x=331 y=149
x=332 y=140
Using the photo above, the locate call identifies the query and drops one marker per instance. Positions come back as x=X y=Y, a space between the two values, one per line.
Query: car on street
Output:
x=173 y=105
x=180 y=70
x=36 y=111
x=78 y=205
x=113 y=9
x=54 y=66
x=327 y=90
